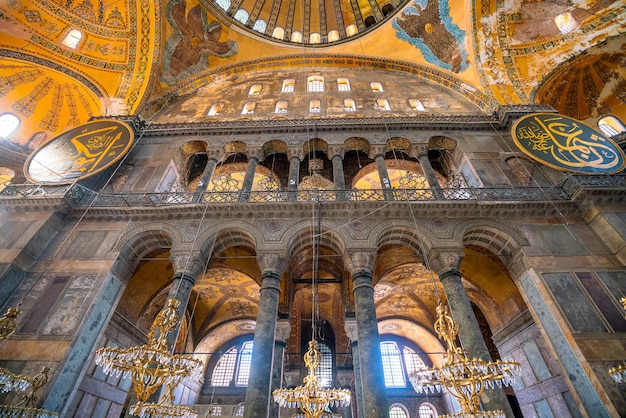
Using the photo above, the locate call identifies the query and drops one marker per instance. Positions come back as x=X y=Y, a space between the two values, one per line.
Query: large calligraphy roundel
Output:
x=80 y=152
x=567 y=144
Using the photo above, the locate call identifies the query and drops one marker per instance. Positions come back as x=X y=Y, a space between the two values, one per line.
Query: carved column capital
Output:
x=216 y=154
x=357 y=260
x=274 y=262
x=351 y=329
x=336 y=152
x=283 y=330
x=444 y=260
x=419 y=149
x=188 y=263
x=255 y=152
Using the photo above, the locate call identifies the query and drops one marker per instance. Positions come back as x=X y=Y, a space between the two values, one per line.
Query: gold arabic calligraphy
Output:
x=565 y=140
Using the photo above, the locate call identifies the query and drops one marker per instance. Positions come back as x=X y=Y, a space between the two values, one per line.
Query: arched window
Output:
x=417 y=105
x=216 y=109
x=315 y=38
x=248 y=108
x=255 y=90
x=223 y=4
x=349 y=105
x=376 y=87
x=315 y=106
x=398 y=410
x=241 y=16
x=260 y=26
x=315 y=83
x=566 y=22
x=281 y=106
x=611 y=126
x=399 y=360
x=288 y=85
x=279 y=33
x=296 y=36
x=8 y=124
x=352 y=30
x=325 y=369
x=233 y=366
x=427 y=410
x=382 y=104
x=392 y=365
x=343 y=84
x=72 y=38
x=333 y=35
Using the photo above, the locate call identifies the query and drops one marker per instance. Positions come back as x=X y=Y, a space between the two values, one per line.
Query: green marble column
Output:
x=385 y=183
x=258 y=393
x=205 y=180
x=248 y=180
x=471 y=336
x=283 y=329
x=294 y=177
x=375 y=403
x=431 y=178
x=338 y=177
x=351 y=332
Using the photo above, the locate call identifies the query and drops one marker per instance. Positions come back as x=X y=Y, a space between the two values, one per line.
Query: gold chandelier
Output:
x=464 y=378
x=153 y=365
x=8 y=323
x=25 y=408
x=312 y=398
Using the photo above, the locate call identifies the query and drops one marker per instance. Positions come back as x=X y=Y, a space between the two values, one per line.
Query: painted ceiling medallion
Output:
x=80 y=152
x=567 y=144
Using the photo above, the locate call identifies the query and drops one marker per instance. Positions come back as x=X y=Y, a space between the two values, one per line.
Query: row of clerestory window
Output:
x=315 y=83
x=315 y=106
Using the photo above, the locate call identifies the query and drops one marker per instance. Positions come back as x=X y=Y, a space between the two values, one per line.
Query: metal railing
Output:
x=80 y=196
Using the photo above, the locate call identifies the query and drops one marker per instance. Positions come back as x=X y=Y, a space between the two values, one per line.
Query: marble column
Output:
x=431 y=178
x=258 y=393
x=65 y=386
x=283 y=329
x=294 y=177
x=248 y=179
x=385 y=183
x=446 y=265
x=188 y=266
x=375 y=404
x=205 y=180
x=351 y=332
x=338 y=177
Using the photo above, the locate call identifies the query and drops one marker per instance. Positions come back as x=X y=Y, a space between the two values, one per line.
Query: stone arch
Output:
x=231 y=236
x=422 y=336
x=274 y=146
x=315 y=145
x=190 y=160
x=501 y=239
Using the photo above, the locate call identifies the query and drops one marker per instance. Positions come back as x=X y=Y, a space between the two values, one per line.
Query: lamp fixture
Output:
x=464 y=378
x=312 y=398
x=25 y=408
x=8 y=323
x=153 y=365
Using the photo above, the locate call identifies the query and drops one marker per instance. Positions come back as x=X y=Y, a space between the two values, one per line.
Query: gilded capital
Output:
x=443 y=260
x=272 y=261
x=360 y=260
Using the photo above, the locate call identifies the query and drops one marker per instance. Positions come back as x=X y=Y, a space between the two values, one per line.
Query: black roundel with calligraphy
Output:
x=80 y=152
x=567 y=144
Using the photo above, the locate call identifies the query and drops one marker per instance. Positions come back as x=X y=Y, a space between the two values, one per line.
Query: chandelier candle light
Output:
x=153 y=365
x=312 y=398
x=618 y=374
x=463 y=378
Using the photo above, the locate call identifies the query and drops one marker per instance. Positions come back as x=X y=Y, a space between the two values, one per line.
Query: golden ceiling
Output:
x=137 y=53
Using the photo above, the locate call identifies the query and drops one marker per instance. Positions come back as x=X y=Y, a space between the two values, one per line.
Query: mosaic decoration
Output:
x=80 y=152
x=429 y=27
x=567 y=144
x=194 y=39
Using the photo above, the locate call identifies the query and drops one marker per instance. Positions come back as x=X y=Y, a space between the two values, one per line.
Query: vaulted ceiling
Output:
x=137 y=55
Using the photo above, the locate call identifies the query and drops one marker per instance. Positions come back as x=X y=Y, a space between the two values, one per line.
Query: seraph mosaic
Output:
x=428 y=25
x=194 y=39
